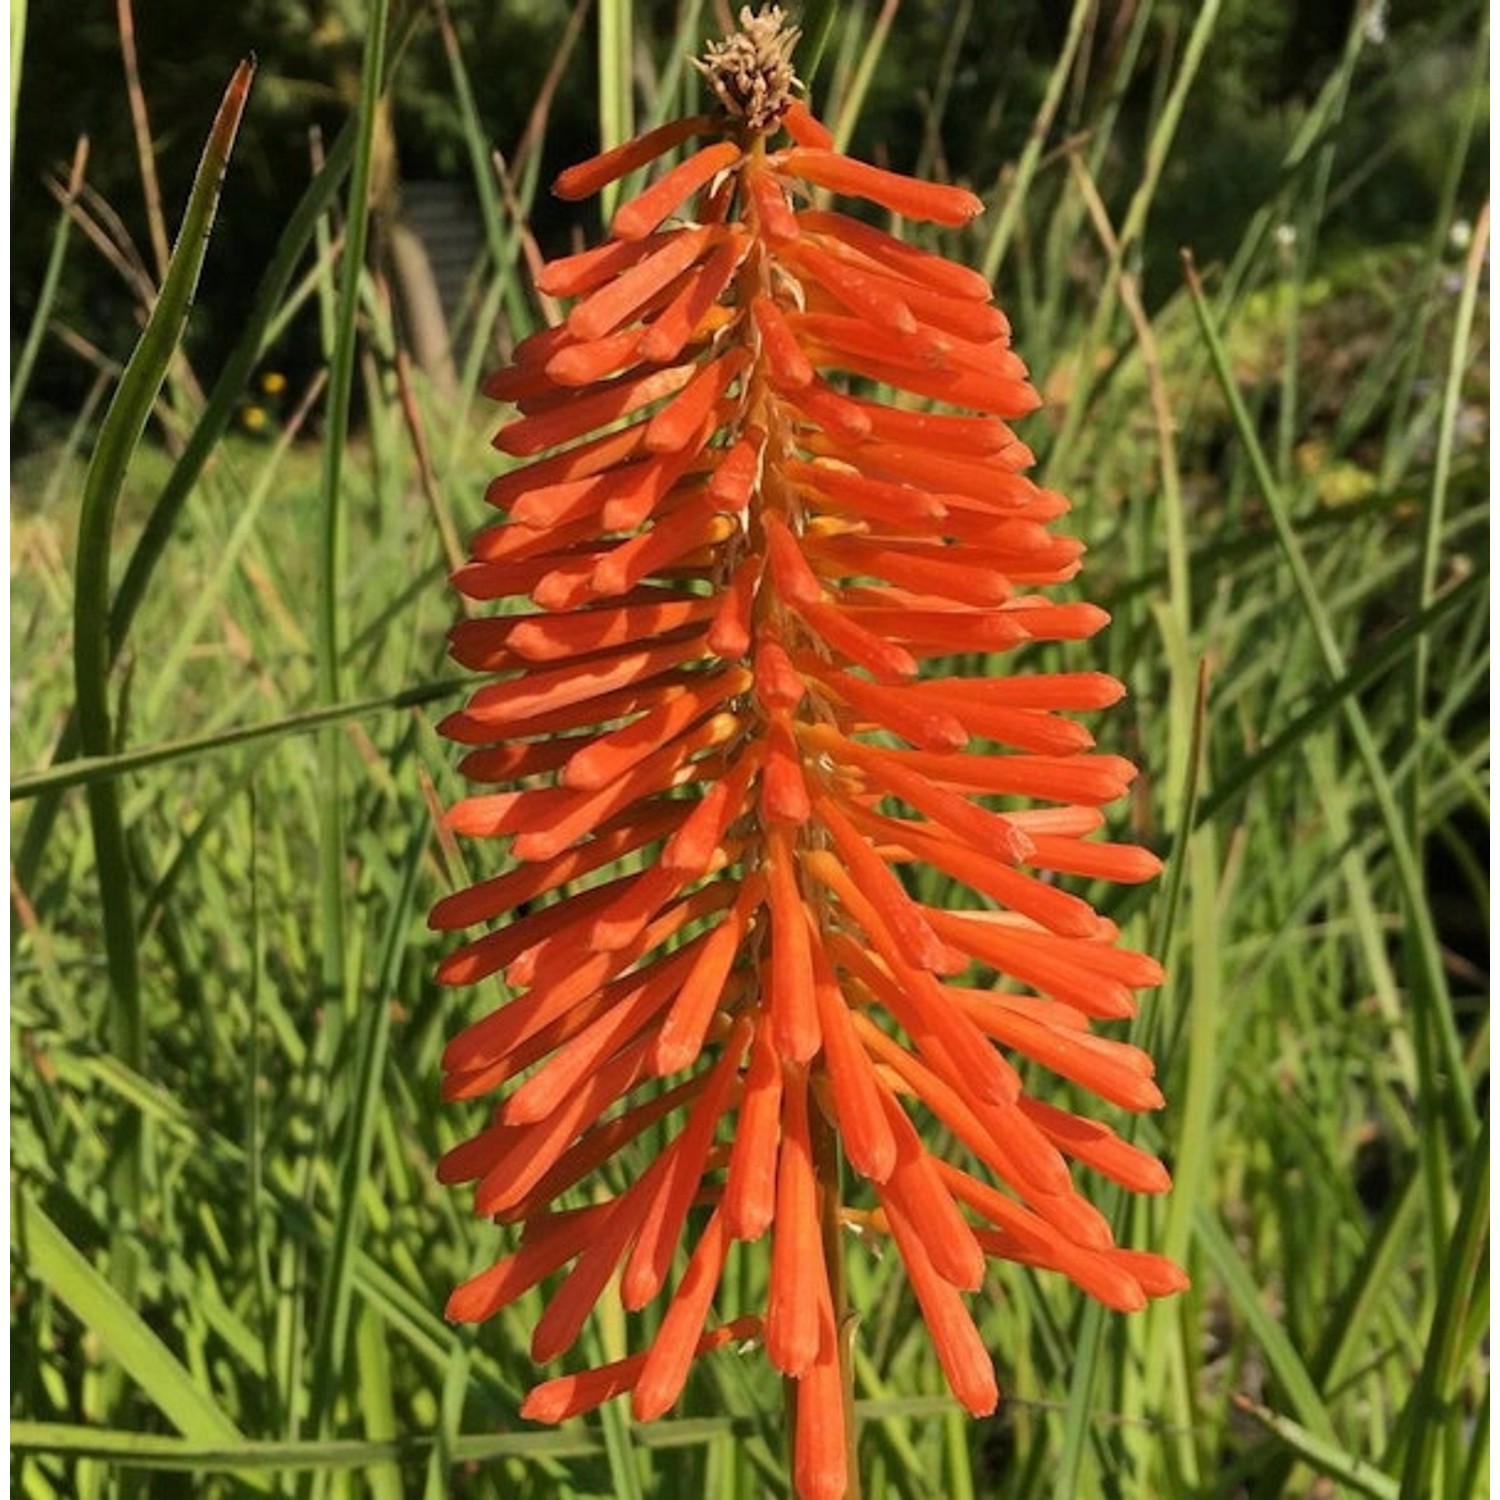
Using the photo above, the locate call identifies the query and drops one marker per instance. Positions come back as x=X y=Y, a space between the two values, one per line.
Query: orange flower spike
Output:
x=573 y=418
x=790 y=368
x=716 y=577
x=773 y=214
x=701 y=832
x=960 y=1351
x=559 y=1326
x=686 y=1024
x=603 y=311
x=673 y=426
x=783 y=789
x=1098 y=1146
x=918 y=266
x=919 y=944
x=857 y=1098
x=485 y=1294
x=596 y=1146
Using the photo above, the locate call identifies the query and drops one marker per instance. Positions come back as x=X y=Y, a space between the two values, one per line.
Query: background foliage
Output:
x=229 y=1257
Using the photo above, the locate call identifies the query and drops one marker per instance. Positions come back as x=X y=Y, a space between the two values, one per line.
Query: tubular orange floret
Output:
x=715 y=742
x=908 y=196
x=636 y=219
x=588 y=177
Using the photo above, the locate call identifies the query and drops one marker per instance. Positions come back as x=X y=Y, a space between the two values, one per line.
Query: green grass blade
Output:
x=56 y=254
x=217 y=414
x=1281 y=1355
x=1031 y=154
x=1460 y=361
x=1460 y=1281
x=335 y=1281
x=481 y=170
x=331 y=510
x=51 y=1257
x=1361 y=1476
x=118 y=439
x=616 y=86
x=1432 y=987
x=1392 y=650
x=853 y=99
x=87 y=770
x=17 y=54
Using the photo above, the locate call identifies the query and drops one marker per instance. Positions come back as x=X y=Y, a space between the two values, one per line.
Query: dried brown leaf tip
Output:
x=767 y=507
x=751 y=72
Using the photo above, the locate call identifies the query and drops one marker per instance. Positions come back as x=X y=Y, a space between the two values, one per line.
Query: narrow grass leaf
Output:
x=201 y=444
x=51 y=1257
x=1327 y=1458
x=1275 y=1342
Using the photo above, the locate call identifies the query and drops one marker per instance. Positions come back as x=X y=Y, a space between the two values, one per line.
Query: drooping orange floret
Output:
x=717 y=735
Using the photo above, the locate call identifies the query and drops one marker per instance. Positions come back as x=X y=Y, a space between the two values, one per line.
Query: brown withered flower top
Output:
x=751 y=71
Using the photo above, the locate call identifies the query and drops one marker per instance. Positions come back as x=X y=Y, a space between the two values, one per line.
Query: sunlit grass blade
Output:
x=331 y=509
x=1433 y=988
x=1282 y=1358
x=335 y=1278
x=1025 y=169
x=47 y=1254
x=616 y=84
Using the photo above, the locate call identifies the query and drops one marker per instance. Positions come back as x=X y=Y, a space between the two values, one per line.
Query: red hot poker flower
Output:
x=713 y=751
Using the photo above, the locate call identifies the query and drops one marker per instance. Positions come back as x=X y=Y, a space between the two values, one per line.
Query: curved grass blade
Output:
x=49 y=1255
x=119 y=437
x=216 y=417
x=1391 y=651
x=1459 y=363
x=149 y=1451
x=1285 y=1363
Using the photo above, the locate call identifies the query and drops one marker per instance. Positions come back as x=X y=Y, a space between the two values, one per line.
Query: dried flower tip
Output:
x=751 y=72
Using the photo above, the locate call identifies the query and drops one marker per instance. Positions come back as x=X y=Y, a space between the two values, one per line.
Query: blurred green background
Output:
x=229 y=1255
